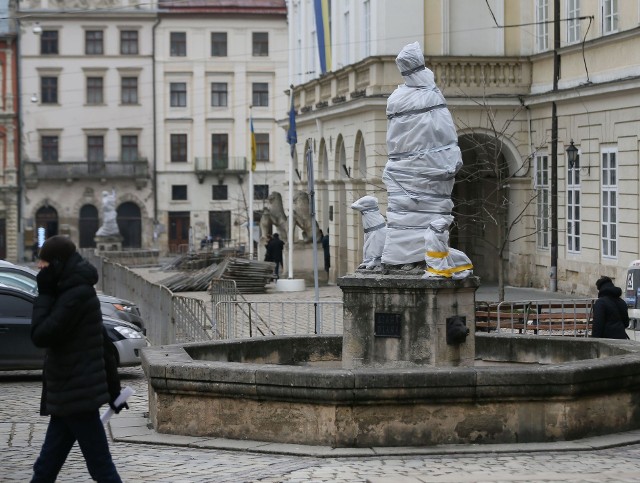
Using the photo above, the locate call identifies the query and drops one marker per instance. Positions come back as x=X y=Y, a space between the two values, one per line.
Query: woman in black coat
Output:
x=610 y=313
x=80 y=372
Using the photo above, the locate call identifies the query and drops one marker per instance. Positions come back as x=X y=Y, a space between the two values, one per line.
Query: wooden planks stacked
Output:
x=251 y=276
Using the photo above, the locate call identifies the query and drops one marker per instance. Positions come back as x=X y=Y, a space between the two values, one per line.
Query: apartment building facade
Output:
x=553 y=222
x=9 y=154
x=219 y=66
x=86 y=77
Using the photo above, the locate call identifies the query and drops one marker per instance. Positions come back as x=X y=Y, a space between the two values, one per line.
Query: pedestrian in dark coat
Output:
x=275 y=249
x=80 y=372
x=610 y=312
x=327 y=251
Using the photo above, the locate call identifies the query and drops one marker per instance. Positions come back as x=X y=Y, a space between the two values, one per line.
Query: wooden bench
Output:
x=553 y=318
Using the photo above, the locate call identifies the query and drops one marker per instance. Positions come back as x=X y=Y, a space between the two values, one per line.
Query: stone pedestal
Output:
x=400 y=320
x=111 y=243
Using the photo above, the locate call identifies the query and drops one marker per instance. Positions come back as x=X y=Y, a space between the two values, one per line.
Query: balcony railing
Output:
x=232 y=165
x=67 y=170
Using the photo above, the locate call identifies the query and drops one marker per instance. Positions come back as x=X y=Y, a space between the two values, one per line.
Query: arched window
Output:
x=88 y=225
x=47 y=218
x=130 y=225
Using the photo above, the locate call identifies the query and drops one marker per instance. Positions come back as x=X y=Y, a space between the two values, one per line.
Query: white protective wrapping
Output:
x=443 y=261
x=424 y=158
x=375 y=230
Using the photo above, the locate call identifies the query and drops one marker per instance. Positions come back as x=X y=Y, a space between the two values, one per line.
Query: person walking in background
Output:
x=275 y=248
x=610 y=312
x=80 y=372
x=327 y=252
x=268 y=257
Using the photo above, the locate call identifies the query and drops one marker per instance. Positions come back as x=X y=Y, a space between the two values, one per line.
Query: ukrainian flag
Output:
x=253 y=146
x=323 y=30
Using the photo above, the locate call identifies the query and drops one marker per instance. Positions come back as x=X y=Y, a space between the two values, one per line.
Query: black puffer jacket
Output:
x=68 y=323
x=610 y=313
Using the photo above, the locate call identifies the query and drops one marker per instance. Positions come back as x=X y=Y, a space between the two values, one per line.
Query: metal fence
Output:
x=251 y=318
x=190 y=320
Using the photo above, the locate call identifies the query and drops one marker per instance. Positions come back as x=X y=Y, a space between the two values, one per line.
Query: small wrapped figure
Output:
x=375 y=231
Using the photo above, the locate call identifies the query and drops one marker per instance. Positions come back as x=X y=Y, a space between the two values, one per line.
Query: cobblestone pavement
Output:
x=22 y=432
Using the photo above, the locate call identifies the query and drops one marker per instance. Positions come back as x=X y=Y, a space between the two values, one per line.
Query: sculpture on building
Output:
x=375 y=231
x=109 y=224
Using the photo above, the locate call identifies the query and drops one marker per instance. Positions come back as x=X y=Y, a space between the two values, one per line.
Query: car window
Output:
x=12 y=306
x=19 y=281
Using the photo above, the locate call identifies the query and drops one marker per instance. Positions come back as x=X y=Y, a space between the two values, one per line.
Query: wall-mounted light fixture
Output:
x=572 y=155
x=37 y=29
x=34 y=98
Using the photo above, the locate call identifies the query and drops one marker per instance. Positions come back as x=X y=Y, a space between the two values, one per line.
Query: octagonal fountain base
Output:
x=294 y=390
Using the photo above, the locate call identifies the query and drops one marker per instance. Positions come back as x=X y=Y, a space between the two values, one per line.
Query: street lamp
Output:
x=572 y=154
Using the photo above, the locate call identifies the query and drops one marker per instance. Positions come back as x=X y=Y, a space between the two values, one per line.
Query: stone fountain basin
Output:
x=293 y=390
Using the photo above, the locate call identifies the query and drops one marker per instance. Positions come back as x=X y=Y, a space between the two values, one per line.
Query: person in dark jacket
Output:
x=275 y=248
x=610 y=313
x=80 y=372
x=326 y=248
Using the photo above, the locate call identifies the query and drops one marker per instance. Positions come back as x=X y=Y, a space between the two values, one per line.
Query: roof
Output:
x=255 y=7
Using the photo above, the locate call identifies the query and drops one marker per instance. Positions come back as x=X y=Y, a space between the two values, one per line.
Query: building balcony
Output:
x=138 y=170
x=379 y=76
x=221 y=167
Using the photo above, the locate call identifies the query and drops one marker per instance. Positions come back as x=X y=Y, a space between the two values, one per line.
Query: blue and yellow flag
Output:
x=253 y=146
x=323 y=30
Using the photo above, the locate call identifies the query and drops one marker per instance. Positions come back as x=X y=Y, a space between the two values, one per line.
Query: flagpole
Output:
x=290 y=220
x=312 y=210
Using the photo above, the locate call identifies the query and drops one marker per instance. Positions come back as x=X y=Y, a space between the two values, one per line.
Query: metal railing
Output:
x=191 y=320
x=86 y=170
x=248 y=318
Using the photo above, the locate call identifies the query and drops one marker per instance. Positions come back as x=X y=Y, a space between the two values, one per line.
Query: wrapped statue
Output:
x=423 y=161
x=442 y=260
x=375 y=230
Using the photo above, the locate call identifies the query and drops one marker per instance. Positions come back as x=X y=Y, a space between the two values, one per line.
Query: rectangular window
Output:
x=178 y=94
x=129 y=90
x=260 y=91
x=95 y=149
x=219 y=94
x=262 y=147
x=260 y=44
x=49 y=148
x=573 y=23
x=179 y=192
x=219 y=192
x=609 y=204
x=609 y=16
x=220 y=224
x=95 y=89
x=219 y=151
x=49 y=42
x=218 y=44
x=178 y=47
x=260 y=191
x=346 y=33
x=573 y=207
x=94 y=42
x=129 y=148
x=178 y=148
x=49 y=90
x=542 y=27
x=543 y=198
x=129 y=42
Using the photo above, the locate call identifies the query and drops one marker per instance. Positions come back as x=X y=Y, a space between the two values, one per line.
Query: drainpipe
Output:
x=154 y=183
x=20 y=176
x=553 y=282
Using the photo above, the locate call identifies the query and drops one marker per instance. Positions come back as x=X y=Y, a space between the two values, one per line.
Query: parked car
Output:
x=18 y=352
x=114 y=307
